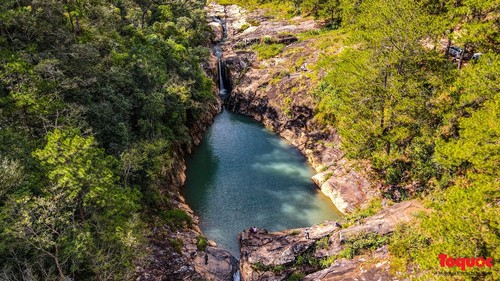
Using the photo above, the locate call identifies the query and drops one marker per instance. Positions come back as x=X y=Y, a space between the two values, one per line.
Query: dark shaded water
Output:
x=242 y=175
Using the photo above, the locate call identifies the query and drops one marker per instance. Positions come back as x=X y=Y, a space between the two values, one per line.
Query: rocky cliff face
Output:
x=277 y=92
x=173 y=253
x=283 y=255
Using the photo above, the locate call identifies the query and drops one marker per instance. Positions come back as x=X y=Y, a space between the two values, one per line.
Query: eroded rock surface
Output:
x=374 y=267
x=276 y=92
x=275 y=255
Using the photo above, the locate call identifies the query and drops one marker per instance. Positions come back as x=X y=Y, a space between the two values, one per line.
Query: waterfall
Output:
x=222 y=87
x=237 y=276
x=218 y=54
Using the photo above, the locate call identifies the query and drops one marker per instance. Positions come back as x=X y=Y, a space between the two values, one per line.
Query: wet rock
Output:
x=217 y=31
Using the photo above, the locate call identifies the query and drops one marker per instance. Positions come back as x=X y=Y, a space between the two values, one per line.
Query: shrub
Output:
x=374 y=206
x=176 y=244
x=363 y=241
x=244 y=27
x=327 y=262
x=296 y=276
x=201 y=243
x=176 y=218
x=253 y=22
x=322 y=243
x=266 y=51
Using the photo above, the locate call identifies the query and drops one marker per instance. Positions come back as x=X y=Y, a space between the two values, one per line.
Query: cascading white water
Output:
x=237 y=276
x=222 y=88
x=218 y=54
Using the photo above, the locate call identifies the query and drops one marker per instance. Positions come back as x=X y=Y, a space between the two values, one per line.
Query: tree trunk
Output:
x=460 y=62
x=71 y=21
x=59 y=269
x=382 y=117
x=78 y=29
x=448 y=45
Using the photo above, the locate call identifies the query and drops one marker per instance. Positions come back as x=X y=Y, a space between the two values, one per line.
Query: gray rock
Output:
x=272 y=249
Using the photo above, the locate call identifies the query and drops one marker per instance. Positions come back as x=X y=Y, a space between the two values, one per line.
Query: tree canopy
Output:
x=95 y=98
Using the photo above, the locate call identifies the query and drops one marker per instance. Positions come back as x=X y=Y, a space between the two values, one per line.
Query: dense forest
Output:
x=96 y=96
x=429 y=124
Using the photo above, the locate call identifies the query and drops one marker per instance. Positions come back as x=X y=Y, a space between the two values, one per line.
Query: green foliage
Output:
x=201 y=243
x=472 y=122
x=177 y=218
x=253 y=22
x=276 y=269
x=95 y=100
x=354 y=246
x=323 y=242
x=177 y=244
x=80 y=196
x=327 y=262
x=244 y=27
x=296 y=276
x=266 y=51
x=373 y=207
x=392 y=80
x=11 y=175
x=258 y=266
x=463 y=221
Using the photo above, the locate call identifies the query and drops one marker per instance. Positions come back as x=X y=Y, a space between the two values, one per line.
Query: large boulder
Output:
x=374 y=266
x=217 y=31
x=217 y=265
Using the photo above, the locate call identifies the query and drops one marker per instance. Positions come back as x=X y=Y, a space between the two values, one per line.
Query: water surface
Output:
x=242 y=175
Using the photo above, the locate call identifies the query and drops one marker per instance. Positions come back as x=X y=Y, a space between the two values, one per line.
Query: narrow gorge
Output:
x=249 y=140
x=242 y=175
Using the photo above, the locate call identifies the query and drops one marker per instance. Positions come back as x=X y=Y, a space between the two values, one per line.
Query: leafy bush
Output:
x=327 y=262
x=266 y=51
x=323 y=242
x=365 y=241
x=201 y=243
x=296 y=276
x=176 y=244
x=177 y=218
x=253 y=22
x=244 y=27
x=373 y=207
